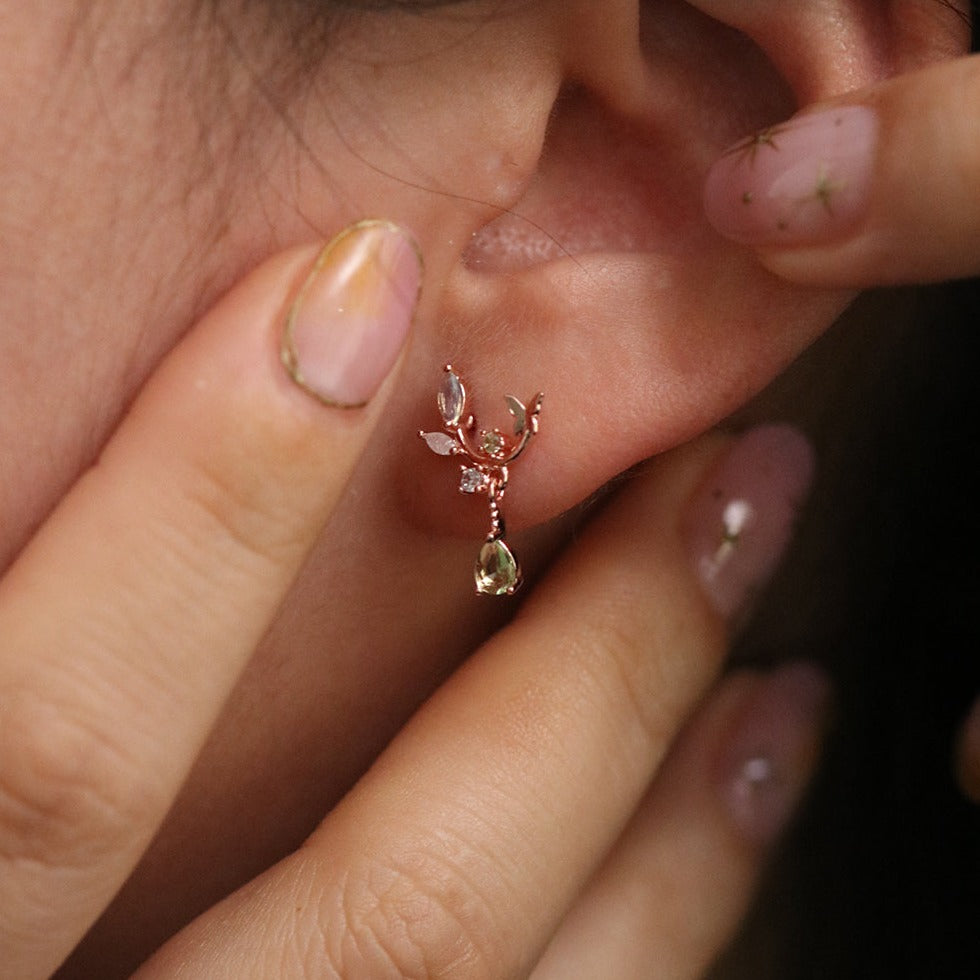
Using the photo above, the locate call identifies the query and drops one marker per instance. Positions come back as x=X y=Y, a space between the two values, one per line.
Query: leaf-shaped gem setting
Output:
x=451 y=398
x=516 y=408
x=441 y=443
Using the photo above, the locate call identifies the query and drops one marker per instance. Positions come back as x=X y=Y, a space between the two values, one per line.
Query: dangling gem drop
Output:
x=496 y=570
x=490 y=452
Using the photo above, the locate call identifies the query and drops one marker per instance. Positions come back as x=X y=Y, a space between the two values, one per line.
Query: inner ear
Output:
x=622 y=172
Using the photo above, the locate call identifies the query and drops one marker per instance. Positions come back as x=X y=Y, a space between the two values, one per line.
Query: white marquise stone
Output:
x=471 y=480
x=450 y=399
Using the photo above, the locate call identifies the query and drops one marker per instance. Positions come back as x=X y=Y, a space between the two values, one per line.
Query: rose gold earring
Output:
x=489 y=453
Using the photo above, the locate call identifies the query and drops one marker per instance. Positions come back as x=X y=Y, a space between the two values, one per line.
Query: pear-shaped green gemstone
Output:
x=496 y=571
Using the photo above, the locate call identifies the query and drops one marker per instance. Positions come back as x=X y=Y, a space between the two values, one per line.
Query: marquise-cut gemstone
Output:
x=471 y=480
x=496 y=571
x=450 y=399
x=441 y=443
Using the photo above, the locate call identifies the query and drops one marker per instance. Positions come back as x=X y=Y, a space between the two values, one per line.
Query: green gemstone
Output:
x=492 y=443
x=496 y=571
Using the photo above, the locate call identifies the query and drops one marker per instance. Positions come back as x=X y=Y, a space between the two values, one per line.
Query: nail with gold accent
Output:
x=803 y=182
x=348 y=323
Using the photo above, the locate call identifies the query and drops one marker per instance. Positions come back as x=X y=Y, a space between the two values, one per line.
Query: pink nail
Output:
x=802 y=182
x=741 y=519
x=766 y=766
x=350 y=319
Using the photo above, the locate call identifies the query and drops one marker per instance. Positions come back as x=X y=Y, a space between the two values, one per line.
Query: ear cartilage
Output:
x=488 y=454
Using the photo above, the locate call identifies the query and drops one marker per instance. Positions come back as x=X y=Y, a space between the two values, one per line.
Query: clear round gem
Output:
x=496 y=571
x=471 y=480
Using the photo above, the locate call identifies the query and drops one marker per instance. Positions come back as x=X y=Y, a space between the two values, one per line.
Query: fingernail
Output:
x=742 y=517
x=349 y=321
x=773 y=750
x=802 y=182
x=968 y=755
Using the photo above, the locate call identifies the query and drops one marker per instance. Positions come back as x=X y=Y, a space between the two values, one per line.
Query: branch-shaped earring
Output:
x=497 y=571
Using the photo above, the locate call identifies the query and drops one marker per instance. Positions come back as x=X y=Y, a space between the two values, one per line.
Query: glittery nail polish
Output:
x=802 y=182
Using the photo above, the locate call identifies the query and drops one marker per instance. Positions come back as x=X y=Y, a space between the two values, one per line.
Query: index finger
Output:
x=127 y=619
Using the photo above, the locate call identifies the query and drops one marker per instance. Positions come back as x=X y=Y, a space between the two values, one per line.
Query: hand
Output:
x=127 y=619
x=519 y=807
x=494 y=811
x=878 y=187
x=968 y=754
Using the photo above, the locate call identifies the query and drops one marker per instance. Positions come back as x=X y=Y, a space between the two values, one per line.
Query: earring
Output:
x=489 y=453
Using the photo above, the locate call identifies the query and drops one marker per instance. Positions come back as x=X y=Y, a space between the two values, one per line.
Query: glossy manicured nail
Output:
x=802 y=182
x=968 y=755
x=741 y=518
x=349 y=321
x=773 y=750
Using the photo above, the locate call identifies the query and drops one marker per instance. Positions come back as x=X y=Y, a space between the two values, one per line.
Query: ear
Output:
x=550 y=157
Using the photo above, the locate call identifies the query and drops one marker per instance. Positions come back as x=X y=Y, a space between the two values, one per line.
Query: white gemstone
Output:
x=472 y=480
x=440 y=443
x=450 y=399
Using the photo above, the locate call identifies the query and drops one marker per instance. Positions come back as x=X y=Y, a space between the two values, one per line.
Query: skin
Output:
x=264 y=152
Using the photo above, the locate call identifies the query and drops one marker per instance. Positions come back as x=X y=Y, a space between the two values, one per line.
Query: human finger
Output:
x=465 y=844
x=877 y=188
x=680 y=880
x=126 y=620
x=968 y=754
